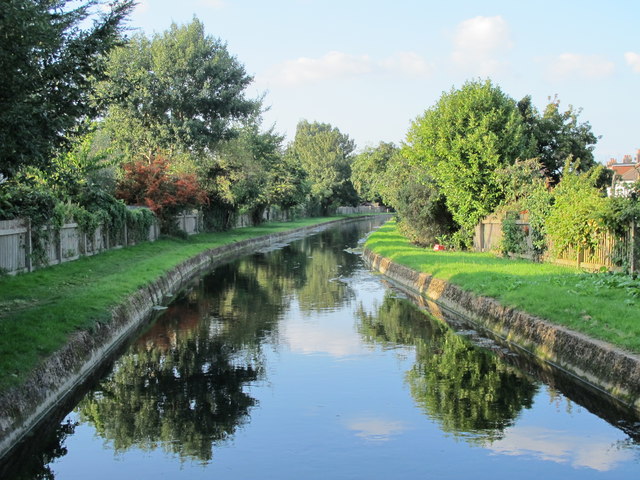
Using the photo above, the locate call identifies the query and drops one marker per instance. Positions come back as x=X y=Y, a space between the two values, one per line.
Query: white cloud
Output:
x=375 y=428
x=582 y=66
x=307 y=338
x=480 y=42
x=561 y=447
x=334 y=65
x=633 y=60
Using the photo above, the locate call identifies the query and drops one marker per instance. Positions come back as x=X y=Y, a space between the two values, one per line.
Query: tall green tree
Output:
x=368 y=169
x=50 y=56
x=180 y=91
x=577 y=215
x=557 y=134
x=325 y=155
x=384 y=173
x=251 y=173
x=461 y=141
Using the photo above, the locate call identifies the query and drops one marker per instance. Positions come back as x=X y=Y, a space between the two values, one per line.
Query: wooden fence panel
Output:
x=610 y=251
x=13 y=240
x=65 y=245
x=361 y=209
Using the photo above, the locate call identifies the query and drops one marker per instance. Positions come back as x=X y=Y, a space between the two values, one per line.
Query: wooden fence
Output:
x=59 y=246
x=272 y=214
x=610 y=251
x=69 y=243
x=190 y=222
x=361 y=209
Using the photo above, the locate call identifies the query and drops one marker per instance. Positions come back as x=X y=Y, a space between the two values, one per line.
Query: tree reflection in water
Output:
x=181 y=386
x=471 y=392
x=34 y=463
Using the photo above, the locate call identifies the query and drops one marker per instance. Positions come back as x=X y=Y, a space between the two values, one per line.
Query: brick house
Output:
x=626 y=173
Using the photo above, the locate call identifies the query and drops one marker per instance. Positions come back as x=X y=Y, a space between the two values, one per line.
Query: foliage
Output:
x=556 y=135
x=27 y=195
x=576 y=217
x=538 y=204
x=621 y=212
x=421 y=207
x=325 y=156
x=517 y=179
x=250 y=173
x=514 y=238
x=461 y=141
x=368 y=171
x=383 y=173
x=178 y=92
x=525 y=190
x=153 y=185
x=50 y=55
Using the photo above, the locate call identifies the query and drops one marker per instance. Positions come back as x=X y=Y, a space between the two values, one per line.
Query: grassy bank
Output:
x=603 y=306
x=39 y=310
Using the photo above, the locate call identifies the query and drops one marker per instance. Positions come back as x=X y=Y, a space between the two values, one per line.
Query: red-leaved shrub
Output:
x=151 y=184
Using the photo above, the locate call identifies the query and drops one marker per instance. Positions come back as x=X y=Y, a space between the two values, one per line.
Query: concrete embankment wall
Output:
x=23 y=407
x=597 y=363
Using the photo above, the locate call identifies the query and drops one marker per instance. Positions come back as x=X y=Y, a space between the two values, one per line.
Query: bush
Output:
x=577 y=215
x=514 y=237
x=153 y=185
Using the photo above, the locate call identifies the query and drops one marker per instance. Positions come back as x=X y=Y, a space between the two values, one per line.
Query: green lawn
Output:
x=604 y=306
x=39 y=310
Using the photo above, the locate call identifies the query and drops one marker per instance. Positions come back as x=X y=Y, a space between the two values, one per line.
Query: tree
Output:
x=555 y=135
x=461 y=141
x=368 y=169
x=420 y=206
x=178 y=92
x=423 y=216
x=526 y=188
x=250 y=173
x=325 y=155
x=577 y=215
x=166 y=193
x=49 y=63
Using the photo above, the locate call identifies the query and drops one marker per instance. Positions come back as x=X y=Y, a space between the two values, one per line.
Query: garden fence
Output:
x=361 y=209
x=70 y=243
x=609 y=251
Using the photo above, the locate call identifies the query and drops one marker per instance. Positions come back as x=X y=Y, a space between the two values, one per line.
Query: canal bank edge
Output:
x=599 y=364
x=25 y=406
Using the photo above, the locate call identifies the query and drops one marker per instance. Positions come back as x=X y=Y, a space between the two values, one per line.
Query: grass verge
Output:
x=603 y=306
x=39 y=310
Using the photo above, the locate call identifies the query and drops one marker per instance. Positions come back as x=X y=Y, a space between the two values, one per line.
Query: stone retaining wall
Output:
x=595 y=362
x=23 y=407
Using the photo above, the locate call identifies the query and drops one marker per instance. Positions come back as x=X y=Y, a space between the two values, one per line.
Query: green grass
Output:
x=39 y=310
x=604 y=306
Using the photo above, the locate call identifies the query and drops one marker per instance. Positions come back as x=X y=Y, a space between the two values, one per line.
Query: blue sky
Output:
x=371 y=67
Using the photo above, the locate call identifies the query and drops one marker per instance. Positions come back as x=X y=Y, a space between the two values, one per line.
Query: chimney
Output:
x=612 y=161
x=627 y=159
x=638 y=156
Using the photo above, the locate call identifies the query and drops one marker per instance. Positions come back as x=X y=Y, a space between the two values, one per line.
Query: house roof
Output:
x=622 y=168
x=631 y=175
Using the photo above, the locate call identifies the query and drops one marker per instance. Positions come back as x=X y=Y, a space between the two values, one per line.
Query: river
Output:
x=299 y=363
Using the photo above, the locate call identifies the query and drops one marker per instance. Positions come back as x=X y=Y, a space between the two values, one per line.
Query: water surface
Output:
x=299 y=363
